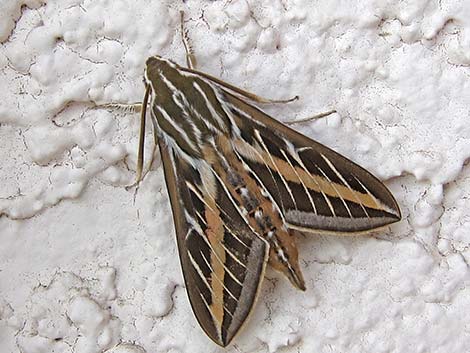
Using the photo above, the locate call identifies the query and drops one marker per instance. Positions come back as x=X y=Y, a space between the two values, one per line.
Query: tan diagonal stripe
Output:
x=313 y=182
x=215 y=234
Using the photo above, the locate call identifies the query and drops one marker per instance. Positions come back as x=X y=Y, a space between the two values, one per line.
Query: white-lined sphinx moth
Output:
x=239 y=183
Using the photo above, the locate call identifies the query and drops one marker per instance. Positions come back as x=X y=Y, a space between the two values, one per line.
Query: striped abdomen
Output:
x=259 y=211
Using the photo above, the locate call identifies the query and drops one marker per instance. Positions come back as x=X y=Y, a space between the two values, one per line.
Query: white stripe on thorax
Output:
x=178 y=128
x=209 y=106
x=180 y=100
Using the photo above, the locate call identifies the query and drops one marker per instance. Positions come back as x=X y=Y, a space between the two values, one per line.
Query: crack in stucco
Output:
x=22 y=9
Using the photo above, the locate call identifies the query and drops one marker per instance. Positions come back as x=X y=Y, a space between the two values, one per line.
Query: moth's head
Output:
x=156 y=65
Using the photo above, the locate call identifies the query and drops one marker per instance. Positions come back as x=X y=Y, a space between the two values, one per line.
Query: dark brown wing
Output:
x=223 y=261
x=315 y=188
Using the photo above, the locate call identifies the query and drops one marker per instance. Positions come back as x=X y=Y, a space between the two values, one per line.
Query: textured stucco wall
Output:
x=88 y=266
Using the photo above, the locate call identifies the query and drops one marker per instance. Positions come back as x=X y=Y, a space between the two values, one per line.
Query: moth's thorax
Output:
x=156 y=65
x=189 y=110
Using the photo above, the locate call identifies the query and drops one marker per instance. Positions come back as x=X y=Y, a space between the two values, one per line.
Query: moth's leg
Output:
x=142 y=109
x=190 y=57
x=315 y=117
x=138 y=107
x=124 y=107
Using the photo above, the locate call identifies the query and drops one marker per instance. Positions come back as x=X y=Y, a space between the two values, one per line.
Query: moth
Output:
x=240 y=183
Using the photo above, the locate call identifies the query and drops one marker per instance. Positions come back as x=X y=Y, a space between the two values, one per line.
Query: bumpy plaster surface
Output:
x=88 y=266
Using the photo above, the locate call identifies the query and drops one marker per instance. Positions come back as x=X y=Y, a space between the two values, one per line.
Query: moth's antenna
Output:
x=190 y=57
x=310 y=118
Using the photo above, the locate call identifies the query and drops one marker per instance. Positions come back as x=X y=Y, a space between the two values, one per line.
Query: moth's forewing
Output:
x=316 y=188
x=223 y=261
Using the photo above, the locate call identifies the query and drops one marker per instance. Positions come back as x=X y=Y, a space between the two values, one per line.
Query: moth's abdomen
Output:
x=263 y=217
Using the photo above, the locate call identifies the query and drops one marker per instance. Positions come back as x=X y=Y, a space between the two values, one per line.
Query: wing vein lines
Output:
x=327 y=200
x=333 y=168
x=335 y=189
x=260 y=139
x=217 y=277
x=312 y=202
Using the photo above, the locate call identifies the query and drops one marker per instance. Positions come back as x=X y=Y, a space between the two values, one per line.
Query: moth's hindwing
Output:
x=223 y=261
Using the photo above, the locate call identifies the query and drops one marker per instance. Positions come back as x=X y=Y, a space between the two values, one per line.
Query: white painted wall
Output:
x=87 y=266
